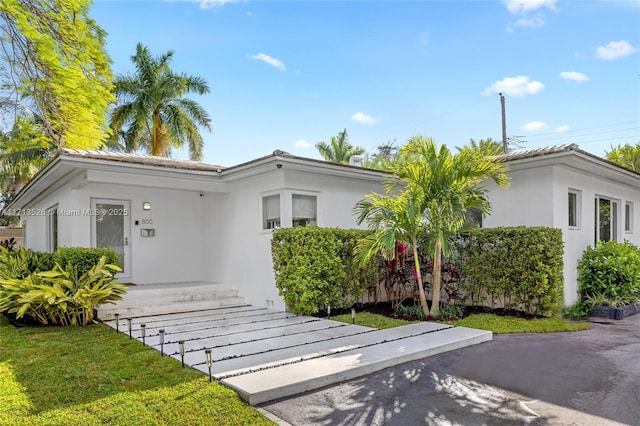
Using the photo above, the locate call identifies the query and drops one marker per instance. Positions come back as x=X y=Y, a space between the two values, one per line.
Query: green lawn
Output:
x=91 y=376
x=495 y=323
x=368 y=319
x=505 y=324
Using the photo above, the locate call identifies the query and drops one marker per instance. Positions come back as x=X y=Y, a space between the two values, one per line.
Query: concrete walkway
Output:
x=266 y=355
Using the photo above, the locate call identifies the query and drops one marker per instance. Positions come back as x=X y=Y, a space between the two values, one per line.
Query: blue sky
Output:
x=287 y=74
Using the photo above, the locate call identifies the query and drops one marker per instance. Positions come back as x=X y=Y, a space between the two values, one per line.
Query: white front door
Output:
x=111 y=227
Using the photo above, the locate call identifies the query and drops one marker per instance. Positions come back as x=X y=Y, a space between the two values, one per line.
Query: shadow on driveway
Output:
x=582 y=378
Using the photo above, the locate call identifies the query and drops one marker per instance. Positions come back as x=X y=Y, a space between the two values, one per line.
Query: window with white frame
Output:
x=52 y=228
x=573 y=209
x=606 y=219
x=271 y=211
x=304 y=210
x=628 y=217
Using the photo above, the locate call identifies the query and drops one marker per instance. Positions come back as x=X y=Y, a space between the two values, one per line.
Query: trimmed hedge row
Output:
x=315 y=267
x=517 y=268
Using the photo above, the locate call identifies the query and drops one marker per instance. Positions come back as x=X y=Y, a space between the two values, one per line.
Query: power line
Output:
x=587 y=135
x=584 y=129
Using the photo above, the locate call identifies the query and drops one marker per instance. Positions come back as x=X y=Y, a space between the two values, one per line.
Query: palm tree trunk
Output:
x=155 y=135
x=437 y=262
x=423 y=298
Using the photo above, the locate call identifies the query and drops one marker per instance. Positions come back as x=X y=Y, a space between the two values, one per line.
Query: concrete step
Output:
x=106 y=312
x=299 y=377
x=169 y=298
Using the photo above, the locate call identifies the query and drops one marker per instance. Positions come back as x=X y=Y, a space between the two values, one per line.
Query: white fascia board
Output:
x=321 y=168
x=582 y=163
x=147 y=180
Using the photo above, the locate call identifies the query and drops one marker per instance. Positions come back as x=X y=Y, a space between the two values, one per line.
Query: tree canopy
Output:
x=626 y=156
x=339 y=150
x=428 y=197
x=54 y=57
x=152 y=112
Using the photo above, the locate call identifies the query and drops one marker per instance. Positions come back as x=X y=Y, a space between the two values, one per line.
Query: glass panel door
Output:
x=111 y=228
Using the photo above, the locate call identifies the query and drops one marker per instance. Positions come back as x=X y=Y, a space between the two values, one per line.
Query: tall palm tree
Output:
x=339 y=150
x=152 y=112
x=436 y=188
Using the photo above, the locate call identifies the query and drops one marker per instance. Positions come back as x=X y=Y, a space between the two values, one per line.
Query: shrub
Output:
x=22 y=262
x=61 y=296
x=11 y=244
x=316 y=267
x=518 y=267
x=83 y=259
x=609 y=274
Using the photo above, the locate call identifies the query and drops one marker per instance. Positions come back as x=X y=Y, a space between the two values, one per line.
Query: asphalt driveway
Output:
x=584 y=378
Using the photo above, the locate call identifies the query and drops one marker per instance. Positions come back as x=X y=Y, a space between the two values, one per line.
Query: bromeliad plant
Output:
x=60 y=296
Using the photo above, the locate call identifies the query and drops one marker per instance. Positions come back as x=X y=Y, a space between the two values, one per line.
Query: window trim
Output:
x=305 y=194
x=628 y=217
x=261 y=218
x=614 y=214
x=52 y=233
x=577 y=209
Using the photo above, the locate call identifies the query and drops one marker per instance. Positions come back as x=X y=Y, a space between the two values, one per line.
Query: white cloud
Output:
x=534 y=22
x=210 y=4
x=521 y=7
x=362 y=118
x=563 y=128
x=276 y=63
x=534 y=126
x=514 y=86
x=574 y=76
x=615 y=49
x=301 y=143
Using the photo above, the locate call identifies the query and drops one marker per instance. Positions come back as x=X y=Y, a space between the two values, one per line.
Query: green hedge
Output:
x=83 y=258
x=609 y=274
x=519 y=268
x=316 y=267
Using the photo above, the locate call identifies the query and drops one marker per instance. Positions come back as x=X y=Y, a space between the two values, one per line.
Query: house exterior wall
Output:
x=174 y=254
x=249 y=268
x=539 y=197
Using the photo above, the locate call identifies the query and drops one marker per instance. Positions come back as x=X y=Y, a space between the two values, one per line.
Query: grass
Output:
x=91 y=376
x=495 y=323
x=368 y=319
x=505 y=324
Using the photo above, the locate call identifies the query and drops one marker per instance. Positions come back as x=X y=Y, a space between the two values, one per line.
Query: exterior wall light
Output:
x=181 y=346
x=207 y=353
x=146 y=205
x=143 y=332
x=162 y=342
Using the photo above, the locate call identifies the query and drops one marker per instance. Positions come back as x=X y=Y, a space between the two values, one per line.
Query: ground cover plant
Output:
x=92 y=376
x=67 y=293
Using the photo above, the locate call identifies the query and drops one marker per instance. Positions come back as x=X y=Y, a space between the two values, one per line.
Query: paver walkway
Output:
x=265 y=354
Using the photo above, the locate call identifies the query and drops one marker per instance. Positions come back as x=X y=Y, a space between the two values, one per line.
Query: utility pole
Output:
x=505 y=147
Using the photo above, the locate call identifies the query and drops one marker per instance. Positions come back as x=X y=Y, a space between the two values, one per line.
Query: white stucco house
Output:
x=181 y=222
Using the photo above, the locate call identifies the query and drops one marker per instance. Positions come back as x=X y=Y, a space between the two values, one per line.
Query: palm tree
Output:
x=393 y=219
x=152 y=112
x=436 y=189
x=487 y=146
x=339 y=150
x=626 y=156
